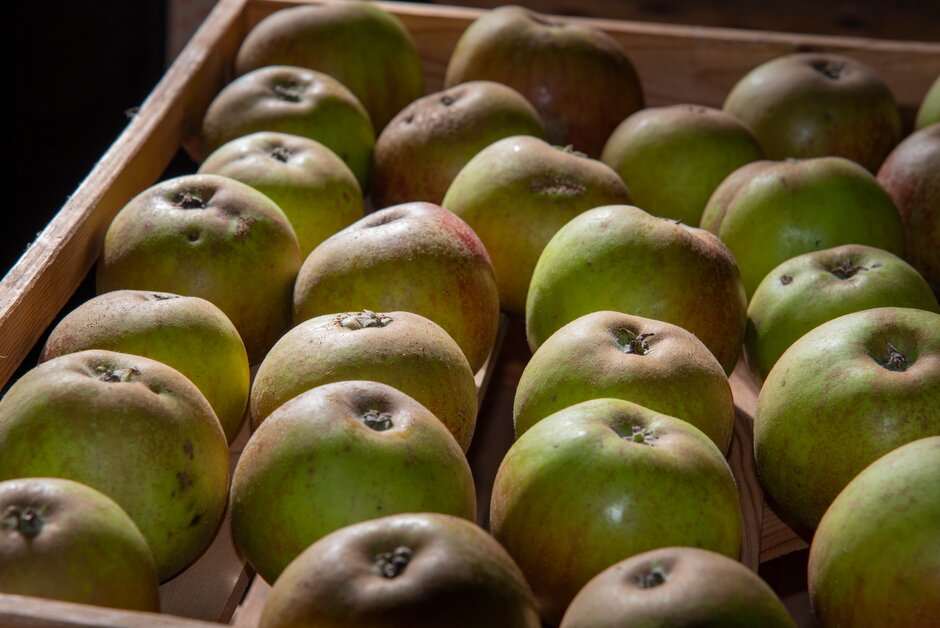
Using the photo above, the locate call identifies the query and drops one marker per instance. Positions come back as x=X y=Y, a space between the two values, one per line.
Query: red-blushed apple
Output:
x=410 y=570
x=929 y=111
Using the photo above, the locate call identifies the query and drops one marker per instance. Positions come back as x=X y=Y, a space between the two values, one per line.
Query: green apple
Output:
x=875 y=558
x=604 y=480
x=929 y=112
x=517 y=193
x=314 y=188
x=336 y=455
x=132 y=428
x=296 y=101
x=66 y=541
x=677 y=586
x=841 y=397
x=818 y=104
x=417 y=570
x=211 y=237
x=797 y=206
x=579 y=78
x=420 y=152
x=622 y=259
x=363 y=46
x=188 y=333
x=718 y=202
x=608 y=354
x=806 y=291
x=673 y=158
x=415 y=257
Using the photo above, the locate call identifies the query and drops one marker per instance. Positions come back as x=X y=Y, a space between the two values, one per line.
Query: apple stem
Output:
x=27 y=521
x=392 y=564
x=633 y=343
x=896 y=361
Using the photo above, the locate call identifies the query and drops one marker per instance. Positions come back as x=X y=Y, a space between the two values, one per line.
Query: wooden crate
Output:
x=675 y=63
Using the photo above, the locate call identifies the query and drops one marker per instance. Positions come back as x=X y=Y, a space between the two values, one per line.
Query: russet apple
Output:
x=929 y=111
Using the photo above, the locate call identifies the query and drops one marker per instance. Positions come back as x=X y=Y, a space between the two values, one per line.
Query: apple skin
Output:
x=446 y=572
x=673 y=158
x=328 y=458
x=718 y=202
x=604 y=480
x=818 y=104
x=909 y=175
x=677 y=586
x=806 y=291
x=134 y=429
x=517 y=193
x=831 y=405
x=420 y=152
x=66 y=541
x=612 y=355
x=622 y=259
x=415 y=257
x=188 y=333
x=314 y=188
x=364 y=47
x=403 y=350
x=578 y=78
x=211 y=237
x=797 y=206
x=296 y=101
x=929 y=112
x=876 y=554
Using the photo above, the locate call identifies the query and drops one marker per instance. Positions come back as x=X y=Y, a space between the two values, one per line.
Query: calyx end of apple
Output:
x=280 y=153
x=637 y=434
x=830 y=69
x=846 y=269
x=392 y=564
x=630 y=342
x=27 y=521
x=651 y=578
x=377 y=420
x=363 y=320
x=115 y=375
x=190 y=200
x=894 y=360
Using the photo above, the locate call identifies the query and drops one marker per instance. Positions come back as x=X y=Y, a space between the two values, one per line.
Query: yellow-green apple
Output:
x=613 y=355
x=415 y=257
x=818 y=104
x=718 y=202
x=910 y=177
x=806 y=291
x=519 y=191
x=63 y=540
x=336 y=455
x=297 y=101
x=211 y=237
x=314 y=188
x=622 y=259
x=188 y=333
x=792 y=207
x=677 y=586
x=841 y=397
x=601 y=481
x=673 y=158
x=363 y=46
x=420 y=152
x=404 y=350
x=579 y=78
x=134 y=429
x=418 y=570
x=929 y=111
x=875 y=558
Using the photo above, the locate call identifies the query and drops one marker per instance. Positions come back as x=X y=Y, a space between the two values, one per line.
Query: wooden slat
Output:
x=741 y=460
x=17 y=611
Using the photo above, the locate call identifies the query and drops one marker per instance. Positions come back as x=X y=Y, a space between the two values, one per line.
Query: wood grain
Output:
x=18 y=611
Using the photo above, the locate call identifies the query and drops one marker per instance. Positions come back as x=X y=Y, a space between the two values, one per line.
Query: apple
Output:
x=336 y=455
x=314 y=188
x=296 y=101
x=188 y=333
x=718 y=202
x=419 y=570
x=909 y=175
x=874 y=559
x=841 y=397
x=673 y=158
x=363 y=46
x=134 y=429
x=622 y=259
x=519 y=191
x=601 y=481
x=211 y=237
x=579 y=78
x=415 y=257
x=404 y=350
x=420 y=152
x=677 y=586
x=929 y=112
x=797 y=206
x=818 y=104
x=612 y=355
x=806 y=291
x=66 y=541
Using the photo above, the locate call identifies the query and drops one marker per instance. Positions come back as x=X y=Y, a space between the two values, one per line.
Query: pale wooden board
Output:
x=17 y=611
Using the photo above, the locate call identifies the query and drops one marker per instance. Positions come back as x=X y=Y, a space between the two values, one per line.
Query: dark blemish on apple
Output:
x=378 y=421
x=192 y=235
x=188 y=449
x=830 y=69
x=629 y=342
x=447 y=101
x=289 y=91
x=27 y=521
x=875 y=266
x=846 y=269
x=243 y=227
x=195 y=520
x=280 y=153
x=163 y=297
x=392 y=564
x=190 y=200
x=184 y=481
x=111 y=375
x=894 y=360
x=409 y=119
x=818 y=242
x=651 y=579
x=786 y=279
